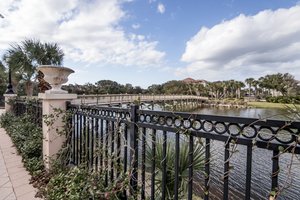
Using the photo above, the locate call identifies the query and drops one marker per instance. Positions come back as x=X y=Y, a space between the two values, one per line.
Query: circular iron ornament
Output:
x=249 y=131
x=161 y=120
x=197 y=125
x=122 y=115
x=187 y=123
x=285 y=136
x=148 y=118
x=142 y=118
x=154 y=119
x=169 y=121
x=208 y=126
x=220 y=127
x=234 y=129
x=266 y=133
x=127 y=115
x=178 y=122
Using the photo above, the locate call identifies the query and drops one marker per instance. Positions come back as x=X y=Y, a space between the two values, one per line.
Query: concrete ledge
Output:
x=56 y=96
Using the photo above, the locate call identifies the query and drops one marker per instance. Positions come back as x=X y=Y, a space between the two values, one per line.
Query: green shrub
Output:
x=27 y=138
x=79 y=183
x=284 y=99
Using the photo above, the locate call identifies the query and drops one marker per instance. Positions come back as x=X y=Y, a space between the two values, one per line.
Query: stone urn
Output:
x=55 y=76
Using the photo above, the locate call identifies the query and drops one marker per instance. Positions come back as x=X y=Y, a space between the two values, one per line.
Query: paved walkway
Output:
x=14 y=179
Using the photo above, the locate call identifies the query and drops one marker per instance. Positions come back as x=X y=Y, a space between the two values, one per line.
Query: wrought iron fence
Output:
x=31 y=107
x=142 y=141
x=2 y=101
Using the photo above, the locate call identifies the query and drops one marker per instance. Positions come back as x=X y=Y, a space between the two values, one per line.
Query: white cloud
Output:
x=88 y=31
x=152 y=1
x=268 y=42
x=135 y=26
x=161 y=8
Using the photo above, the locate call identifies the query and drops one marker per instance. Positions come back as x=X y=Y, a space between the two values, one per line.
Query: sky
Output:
x=146 y=42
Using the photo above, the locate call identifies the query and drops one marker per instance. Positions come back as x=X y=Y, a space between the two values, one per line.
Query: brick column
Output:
x=52 y=142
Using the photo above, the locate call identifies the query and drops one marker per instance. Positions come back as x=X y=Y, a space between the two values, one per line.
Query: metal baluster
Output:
x=191 y=160
x=118 y=150
x=72 y=125
x=97 y=141
x=226 y=172
x=275 y=170
x=153 y=165
x=164 y=164
x=177 y=149
x=87 y=128
x=80 y=138
x=143 y=162
x=101 y=148
x=248 y=172
x=207 y=169
x=125 y=152
x=92 y=146
x=112 y=151
x=106 y=153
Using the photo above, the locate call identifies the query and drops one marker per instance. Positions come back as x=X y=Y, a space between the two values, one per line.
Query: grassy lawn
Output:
x=271 y=105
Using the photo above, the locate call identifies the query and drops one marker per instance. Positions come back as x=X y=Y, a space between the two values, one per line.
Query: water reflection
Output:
x=289 y=178
x=280 y=114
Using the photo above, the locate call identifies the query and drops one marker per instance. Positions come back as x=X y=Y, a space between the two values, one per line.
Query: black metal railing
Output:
x=30 y=107
x=2 y=101
x=142 y=142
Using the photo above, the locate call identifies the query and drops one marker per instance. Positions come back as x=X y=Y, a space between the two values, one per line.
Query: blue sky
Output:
x=143 y=42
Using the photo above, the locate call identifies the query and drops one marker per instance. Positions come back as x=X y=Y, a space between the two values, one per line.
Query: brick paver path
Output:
x=14 y=179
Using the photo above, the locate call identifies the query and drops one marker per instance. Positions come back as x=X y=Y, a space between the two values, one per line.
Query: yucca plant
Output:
x=198 y=165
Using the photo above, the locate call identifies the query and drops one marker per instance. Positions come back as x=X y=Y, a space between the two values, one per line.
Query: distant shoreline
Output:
x=260 y=104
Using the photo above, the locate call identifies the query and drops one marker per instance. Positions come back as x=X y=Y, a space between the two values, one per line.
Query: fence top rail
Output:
x=84 y=107
x=185 y=115
x=139 y=95
x=227 y=119
x=271 y=133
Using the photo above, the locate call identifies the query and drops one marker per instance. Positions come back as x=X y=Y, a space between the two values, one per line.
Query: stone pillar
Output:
x=52 y=141
x=9 y=97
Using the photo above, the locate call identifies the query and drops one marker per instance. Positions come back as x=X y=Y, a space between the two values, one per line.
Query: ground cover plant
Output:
x=27 y=138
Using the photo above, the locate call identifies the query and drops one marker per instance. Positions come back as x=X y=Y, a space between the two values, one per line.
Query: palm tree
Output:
x=198 y=166
x=25 y=57
x=249 y=81
x=239 y=85
x=255 y=83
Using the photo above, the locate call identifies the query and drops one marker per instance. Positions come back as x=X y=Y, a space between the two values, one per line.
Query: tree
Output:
x=25 y=57
x=249 y=81
x=175 y=87
x=108 y=87
x=239 y=85
x=155 y=89
x=255 y=83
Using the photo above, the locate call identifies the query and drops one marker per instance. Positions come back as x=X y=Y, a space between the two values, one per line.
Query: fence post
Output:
x=134 y=148
x=52 y=141
x=8 y=97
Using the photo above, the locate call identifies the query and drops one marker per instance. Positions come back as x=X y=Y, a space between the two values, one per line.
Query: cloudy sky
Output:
x=152 y=41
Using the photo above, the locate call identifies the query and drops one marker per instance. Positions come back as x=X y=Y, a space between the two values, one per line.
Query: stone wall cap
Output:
x=57 y=96
x=10 y=95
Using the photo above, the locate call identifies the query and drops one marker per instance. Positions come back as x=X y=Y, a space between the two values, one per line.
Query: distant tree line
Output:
x=270 y=85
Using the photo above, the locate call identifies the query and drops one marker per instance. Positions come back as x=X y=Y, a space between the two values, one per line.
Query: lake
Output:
x=289 y=178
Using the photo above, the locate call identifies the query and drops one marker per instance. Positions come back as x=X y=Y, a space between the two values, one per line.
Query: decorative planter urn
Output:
x=55 y=76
